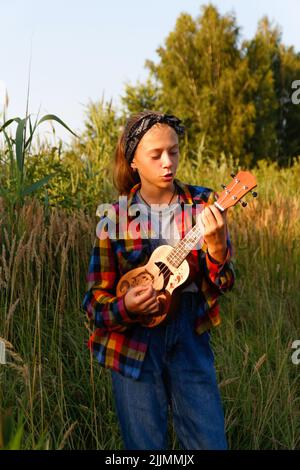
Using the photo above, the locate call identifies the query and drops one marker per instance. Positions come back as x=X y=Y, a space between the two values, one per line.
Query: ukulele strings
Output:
x=185 y=245
x=180 y=249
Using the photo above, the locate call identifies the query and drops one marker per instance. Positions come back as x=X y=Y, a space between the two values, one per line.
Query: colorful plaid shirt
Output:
x=118 y=340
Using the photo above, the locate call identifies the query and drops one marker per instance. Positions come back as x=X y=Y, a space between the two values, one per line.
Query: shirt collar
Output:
x=185 y=196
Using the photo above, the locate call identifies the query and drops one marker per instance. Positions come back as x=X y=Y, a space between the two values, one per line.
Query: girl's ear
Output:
x=133 y=166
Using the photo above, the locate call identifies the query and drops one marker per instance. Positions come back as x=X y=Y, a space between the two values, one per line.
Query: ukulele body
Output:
x=163 y=276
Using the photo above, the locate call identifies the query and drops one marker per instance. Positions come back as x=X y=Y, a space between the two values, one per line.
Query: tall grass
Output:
x=64 y=397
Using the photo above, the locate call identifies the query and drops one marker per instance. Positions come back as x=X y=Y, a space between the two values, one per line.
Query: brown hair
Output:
x=124 y=176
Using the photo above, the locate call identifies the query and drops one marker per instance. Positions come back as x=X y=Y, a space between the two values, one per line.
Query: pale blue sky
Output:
x=84 y=49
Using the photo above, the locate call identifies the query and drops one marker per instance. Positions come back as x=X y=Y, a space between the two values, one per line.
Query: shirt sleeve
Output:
x=220 y=276
x=103 y=308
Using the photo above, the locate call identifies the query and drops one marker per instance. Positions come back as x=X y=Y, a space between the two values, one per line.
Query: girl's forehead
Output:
x=159 y=133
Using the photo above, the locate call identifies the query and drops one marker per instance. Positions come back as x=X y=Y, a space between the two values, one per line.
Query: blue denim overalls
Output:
x=178 y=372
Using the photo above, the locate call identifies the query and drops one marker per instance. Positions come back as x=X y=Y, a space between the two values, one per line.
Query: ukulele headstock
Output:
x=241 y=184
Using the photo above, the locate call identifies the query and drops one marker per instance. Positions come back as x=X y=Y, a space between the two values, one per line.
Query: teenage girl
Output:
x=171 y=365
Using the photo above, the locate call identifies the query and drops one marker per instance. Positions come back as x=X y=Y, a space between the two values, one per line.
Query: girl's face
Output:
x=156 y=156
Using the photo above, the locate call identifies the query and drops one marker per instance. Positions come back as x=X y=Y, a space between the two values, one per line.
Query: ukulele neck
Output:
x=241 y=184
x=184 y=246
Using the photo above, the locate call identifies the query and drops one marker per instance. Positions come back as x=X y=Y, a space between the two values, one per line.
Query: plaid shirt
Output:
x=118 y=340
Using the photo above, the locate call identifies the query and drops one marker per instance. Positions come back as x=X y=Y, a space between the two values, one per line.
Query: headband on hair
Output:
x=143 y=125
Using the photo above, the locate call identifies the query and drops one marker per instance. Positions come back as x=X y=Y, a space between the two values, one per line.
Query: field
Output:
x=55 y=396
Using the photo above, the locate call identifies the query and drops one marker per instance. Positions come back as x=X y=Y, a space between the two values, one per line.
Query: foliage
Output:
x=15 y=185
x=77 y=176
x=142 y=96
x=237 y=94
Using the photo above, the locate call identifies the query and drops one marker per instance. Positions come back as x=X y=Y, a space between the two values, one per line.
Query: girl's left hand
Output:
x=215 y=232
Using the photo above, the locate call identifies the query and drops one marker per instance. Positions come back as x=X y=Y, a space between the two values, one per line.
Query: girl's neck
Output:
x=154 y=195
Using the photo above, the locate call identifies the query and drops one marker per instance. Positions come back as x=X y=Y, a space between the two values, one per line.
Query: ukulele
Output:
x=167 y=267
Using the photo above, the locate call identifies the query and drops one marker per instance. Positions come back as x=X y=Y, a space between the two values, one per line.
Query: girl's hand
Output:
x=142 y=300
x=215 y=232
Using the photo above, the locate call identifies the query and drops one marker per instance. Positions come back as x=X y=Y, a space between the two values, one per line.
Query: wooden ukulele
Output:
x=167 y=268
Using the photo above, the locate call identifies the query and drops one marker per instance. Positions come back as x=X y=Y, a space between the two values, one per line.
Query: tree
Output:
x=202 y=74
x=289 y=116
x=236 y=96
x=142 y=96
x=264 y=63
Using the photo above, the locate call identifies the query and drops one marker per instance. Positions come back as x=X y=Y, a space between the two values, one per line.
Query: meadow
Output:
x=53 y=393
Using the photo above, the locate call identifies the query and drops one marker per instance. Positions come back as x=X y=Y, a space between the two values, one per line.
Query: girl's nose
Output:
x=166 y=159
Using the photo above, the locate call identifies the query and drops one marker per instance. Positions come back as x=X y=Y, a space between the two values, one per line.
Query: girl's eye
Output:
x=155 y=157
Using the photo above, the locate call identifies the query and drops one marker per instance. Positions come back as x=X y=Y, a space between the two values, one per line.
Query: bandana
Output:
x=143 y=125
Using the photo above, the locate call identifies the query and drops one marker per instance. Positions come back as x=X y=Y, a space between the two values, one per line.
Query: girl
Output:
x=170 y=365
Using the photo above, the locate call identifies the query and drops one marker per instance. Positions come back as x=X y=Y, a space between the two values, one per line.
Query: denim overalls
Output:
x=178 y=373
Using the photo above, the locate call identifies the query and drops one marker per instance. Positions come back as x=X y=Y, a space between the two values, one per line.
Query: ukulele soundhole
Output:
x=165 y=271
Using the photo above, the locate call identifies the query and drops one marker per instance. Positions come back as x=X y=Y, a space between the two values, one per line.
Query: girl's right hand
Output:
x=142 y=300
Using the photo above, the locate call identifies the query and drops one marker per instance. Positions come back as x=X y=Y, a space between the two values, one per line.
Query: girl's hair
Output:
x=124 y=177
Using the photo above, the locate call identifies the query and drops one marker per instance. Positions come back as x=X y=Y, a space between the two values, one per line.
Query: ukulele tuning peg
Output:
x=243 y=203
x=223 y=186
x=254 y=193
x=232 y=175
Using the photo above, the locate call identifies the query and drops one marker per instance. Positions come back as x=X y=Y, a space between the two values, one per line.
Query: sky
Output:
x=87 y=50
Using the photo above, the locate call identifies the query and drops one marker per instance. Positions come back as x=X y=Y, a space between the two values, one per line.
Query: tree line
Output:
x=235 y=94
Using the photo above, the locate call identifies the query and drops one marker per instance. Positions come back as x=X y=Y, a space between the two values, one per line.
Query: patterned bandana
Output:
x=143 y=125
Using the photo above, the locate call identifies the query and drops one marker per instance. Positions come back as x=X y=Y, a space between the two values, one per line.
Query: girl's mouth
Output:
x=168 y=176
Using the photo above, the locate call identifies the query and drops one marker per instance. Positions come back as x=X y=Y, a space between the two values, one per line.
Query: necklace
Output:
x=168 y=202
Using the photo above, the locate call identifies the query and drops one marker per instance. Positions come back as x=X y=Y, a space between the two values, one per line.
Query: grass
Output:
x=54 y=394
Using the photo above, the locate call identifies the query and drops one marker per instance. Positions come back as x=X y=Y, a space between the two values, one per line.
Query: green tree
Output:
x=234 y=96
x=264 y=65
x=289 y=117
x=142 y=96
x=202 y=74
